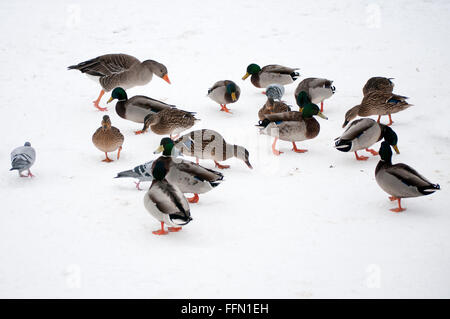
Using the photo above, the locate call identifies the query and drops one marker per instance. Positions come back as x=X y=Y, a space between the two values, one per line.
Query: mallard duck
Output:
x=293 y=126
x=142 y=172
x=169 y=121
x=166 y=202
x=317 y=90
x=188 y=176
x=271 y=107
x=224 y=92
x=113 y=70
x=270 y=74
x=363 y=133
x=274 y=91
x=108 y=138
x=209 y=144
x=136 y=108
x=400 y=180
x=378 y=83
x=377 y=103
x=22 y=158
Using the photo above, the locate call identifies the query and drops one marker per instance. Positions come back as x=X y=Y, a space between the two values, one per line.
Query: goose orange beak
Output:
x=166 y=78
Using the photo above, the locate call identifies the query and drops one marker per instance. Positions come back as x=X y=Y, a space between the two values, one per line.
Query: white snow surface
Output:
x=313 y=225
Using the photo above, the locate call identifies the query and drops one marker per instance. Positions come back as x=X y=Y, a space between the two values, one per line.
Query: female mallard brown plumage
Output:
x=377 y=103
x=209 y=144
x=270 y=74
x=363 y=133
x=271 y=107
x=224 y=92
x=169 y=121
x=166 y=202
x=120 y=70
x=400 y=180
x=136 y=108
x=188 y=176
x=108 y=138
x=292 y=126
x=378 y=83
x=317 y=90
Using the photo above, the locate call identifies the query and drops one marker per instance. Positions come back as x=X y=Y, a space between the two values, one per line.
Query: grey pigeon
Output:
x=275 y=91
x=142 y=172
x=22 y=158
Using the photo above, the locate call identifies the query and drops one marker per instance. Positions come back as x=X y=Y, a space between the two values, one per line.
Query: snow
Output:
x=313 y=225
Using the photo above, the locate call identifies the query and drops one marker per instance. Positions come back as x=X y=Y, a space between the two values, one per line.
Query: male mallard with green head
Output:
x=363 y=133
x=224 y=92
x=166 y=202
x=317 y=90
x=114 y=70
x=270 y=74
x=188 y=176
x=293 y=126
x=108 y=138
x=377 y=103
x=400 y=180
x=137 y=107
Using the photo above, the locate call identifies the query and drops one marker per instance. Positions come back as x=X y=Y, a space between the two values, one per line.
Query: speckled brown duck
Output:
x=108 y=138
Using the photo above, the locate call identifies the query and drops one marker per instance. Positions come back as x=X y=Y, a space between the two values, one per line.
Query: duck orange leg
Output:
x=275 y=151
x=118 y=153
x=194 y=199
x=97 y=101
x=107 y=159
x=224 y=108
x=360 y=158
x=297 y=150
x=140 y=132
x=321 y=106
x=373 y=152
x=160 y=231
x=221 y=166
x=137 y=185
x=399 y=208
x=390 y=120
x=174 y=229
x=379 y=118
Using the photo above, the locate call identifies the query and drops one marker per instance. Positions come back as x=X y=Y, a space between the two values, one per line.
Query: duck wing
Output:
x=105 y=65
x=169 y=200
x=357 y=128
x=276 y=68
x=199 y=172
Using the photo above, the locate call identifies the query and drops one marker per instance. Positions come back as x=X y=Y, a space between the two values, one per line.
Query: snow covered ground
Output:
x=296 y=226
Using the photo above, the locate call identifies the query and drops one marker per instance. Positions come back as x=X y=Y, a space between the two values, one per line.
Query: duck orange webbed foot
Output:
x=221 y=166
x=174 y=229
x=107 y=159
x=224 y=108
x=161 y=231
x=361 y=158
x=139 y=132
x=297 y=150
x=371 y=151
x=99 y=107
x=194 y=199
x=399 y=208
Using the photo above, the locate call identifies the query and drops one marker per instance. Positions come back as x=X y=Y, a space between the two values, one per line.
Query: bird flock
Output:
x=172 y=176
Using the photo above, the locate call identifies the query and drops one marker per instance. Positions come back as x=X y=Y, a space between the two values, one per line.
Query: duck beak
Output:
x=166 y=78
x=322 y=115
x=159 y=149
x=396 y=149
x=345 y=124
x=110 y=100
x=246 y=76
x=300 y=109
x=233 y=96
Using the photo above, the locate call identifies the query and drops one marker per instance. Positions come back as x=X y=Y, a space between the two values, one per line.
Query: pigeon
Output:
x=275 y=91
x=142 y=172
x=22 y=158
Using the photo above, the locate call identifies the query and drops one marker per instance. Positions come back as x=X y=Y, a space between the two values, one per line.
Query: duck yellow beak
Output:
x=246 y=76
x=300 y=109
x=233 y=96
x=166 y=78
x=322 y=115
x=396 y=149
x=159 y=149
x=110 y=100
